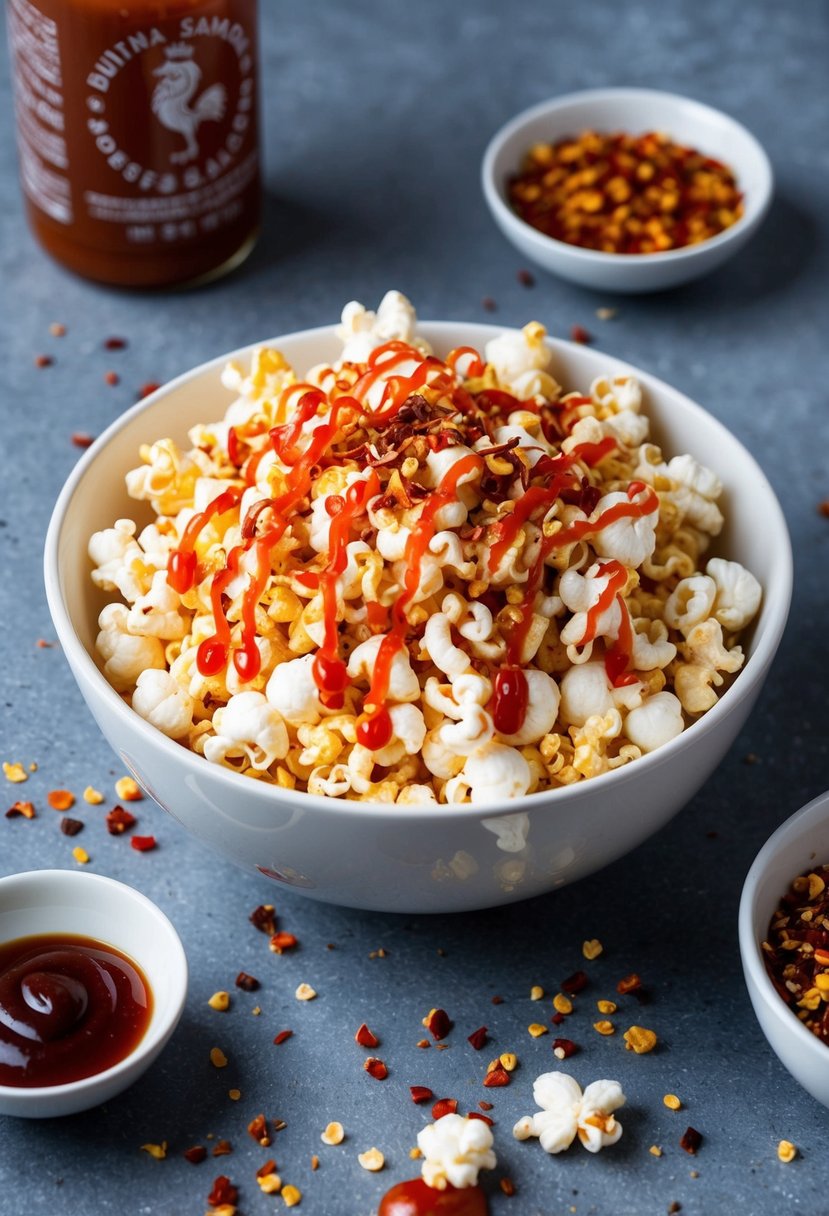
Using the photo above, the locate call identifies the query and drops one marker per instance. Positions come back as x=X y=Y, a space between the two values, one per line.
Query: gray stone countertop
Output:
x=376 y=116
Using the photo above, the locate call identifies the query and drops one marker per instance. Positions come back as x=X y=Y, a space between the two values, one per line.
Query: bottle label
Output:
x=39 y=109
x=155 y=130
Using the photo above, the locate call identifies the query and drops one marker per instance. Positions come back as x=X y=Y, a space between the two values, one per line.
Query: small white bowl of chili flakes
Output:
x=627 y=190
x=784 y=943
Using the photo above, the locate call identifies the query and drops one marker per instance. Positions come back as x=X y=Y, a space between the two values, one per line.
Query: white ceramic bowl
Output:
x=89 y=905
x=799 y=843
x=396 y=858
x=635 y=111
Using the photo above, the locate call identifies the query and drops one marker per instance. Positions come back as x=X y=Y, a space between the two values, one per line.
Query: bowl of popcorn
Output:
x=784 y=943
x=627 y=190
x=419 y=617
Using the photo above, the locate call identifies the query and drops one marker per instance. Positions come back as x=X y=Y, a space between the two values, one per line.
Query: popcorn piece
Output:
x=247 y=726
x=655 y=722
x=494 y=772
x=738 y=593
x=292 y=691
x=567 y=1112
x=455 y=1149
x=372 y=1160
x=125 y=655
x=520 y=360
x=160 y=700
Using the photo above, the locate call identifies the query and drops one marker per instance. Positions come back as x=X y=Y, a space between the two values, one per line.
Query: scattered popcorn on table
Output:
x=454 y=1150
x=567 y=1112
x=490 y=587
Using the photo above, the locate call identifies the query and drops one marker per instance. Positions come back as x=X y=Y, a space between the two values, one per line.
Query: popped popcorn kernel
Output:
x=567 y=1112
x=372 y=1160
x=334 y=1133
x=219 y=1001
x=92 y=796
x=639 y=1040
x=305 y=992
x=592 y=949
x=128 y=790
x=786 y=1151
x=218 y=1058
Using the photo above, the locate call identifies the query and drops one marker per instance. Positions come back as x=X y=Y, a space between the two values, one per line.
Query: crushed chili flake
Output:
x=376 y=1068
x=112 y=378
x=579 y=334
x=258 y=1129
x=420 y=1093
x=82 y=440
x=222 y=1191
x=557 y=1018
x=118 y=821
x=234 y=1094
x=497 y=1077
x=280 y=942
x=497 y=1000
x=145 y=390
x=70 y=827
x=282 y=1037
x=156 y=1151
x=128 y=790
x=823 y=508
x=263 y=918
x=114 y=343
x=248 y=983
x=796 y=952
x=476 y=1114
x=222 y=1148
x=43 y=360
x=218 y=1058
x=444 y=1106
x=20 y=808
x=195 y=1155
x=57 y=329
x=564 y=1048
x=484 y=1105
x=438 y=1023
x=488 y=304
x=268 y=1168
x=525 y=278
x=507 y=1186
x=624 y=194
x=60 y=800
x=423 y=1043
x=143 y=844
x=690 y=1140
x=630 y=983
x=42 y=644
x=574 y=983
x=366 y=1037
x=479 y=1038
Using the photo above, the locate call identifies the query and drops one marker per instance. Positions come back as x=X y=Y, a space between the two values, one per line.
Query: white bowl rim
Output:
x=752 y=956
x=178 y=971
x=777 y=596
x=754 y=209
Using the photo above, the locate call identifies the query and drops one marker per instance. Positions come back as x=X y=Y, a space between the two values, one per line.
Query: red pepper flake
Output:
x=57 y=329
x=579 y=334
x=268 y=1168
x=248 y=983
x=20 y=808
x=112 y=378
x=475 y=1114
x=496 y=1077
x=195 y=1155
x=42 y=644
x=823 y=508
x=60 y=800
x=507 y=1186
x=223 y=1192
x=574 y=983
x=222 y=1148
x=444 y=1106
x=143 y=844
x=488 y=304
x=366 y=1037
x=564 y=1048
x=146 y=389
x=263 y=918
x=423 y=1043
x=557 y=1019
x=525 y=278
x=375 y=1067
x=70 y=827
x=691 y=1140
x=497 y=1000
x=630 y=983
x=280 y=942
x=438 y=1023
x=420 y=1093
x=82 y=440
x=258 y=1129
x=478 y=1038
x=115 y=343
x=118 y=821
x=283 y=1036
x=43 y=360
x=484 y=1105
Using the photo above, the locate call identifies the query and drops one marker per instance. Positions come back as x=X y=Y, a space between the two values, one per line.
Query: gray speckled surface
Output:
x=376 y=117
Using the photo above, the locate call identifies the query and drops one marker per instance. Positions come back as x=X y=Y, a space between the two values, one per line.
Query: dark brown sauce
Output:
x=70 y=1007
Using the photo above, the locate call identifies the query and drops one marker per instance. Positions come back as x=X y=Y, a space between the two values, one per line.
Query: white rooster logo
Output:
x=180 y=78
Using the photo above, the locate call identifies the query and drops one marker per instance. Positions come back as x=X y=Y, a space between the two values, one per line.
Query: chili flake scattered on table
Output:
x=623 y=193
x=796 y=953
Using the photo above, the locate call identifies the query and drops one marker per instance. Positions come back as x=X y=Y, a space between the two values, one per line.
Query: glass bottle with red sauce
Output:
x=137 y=135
